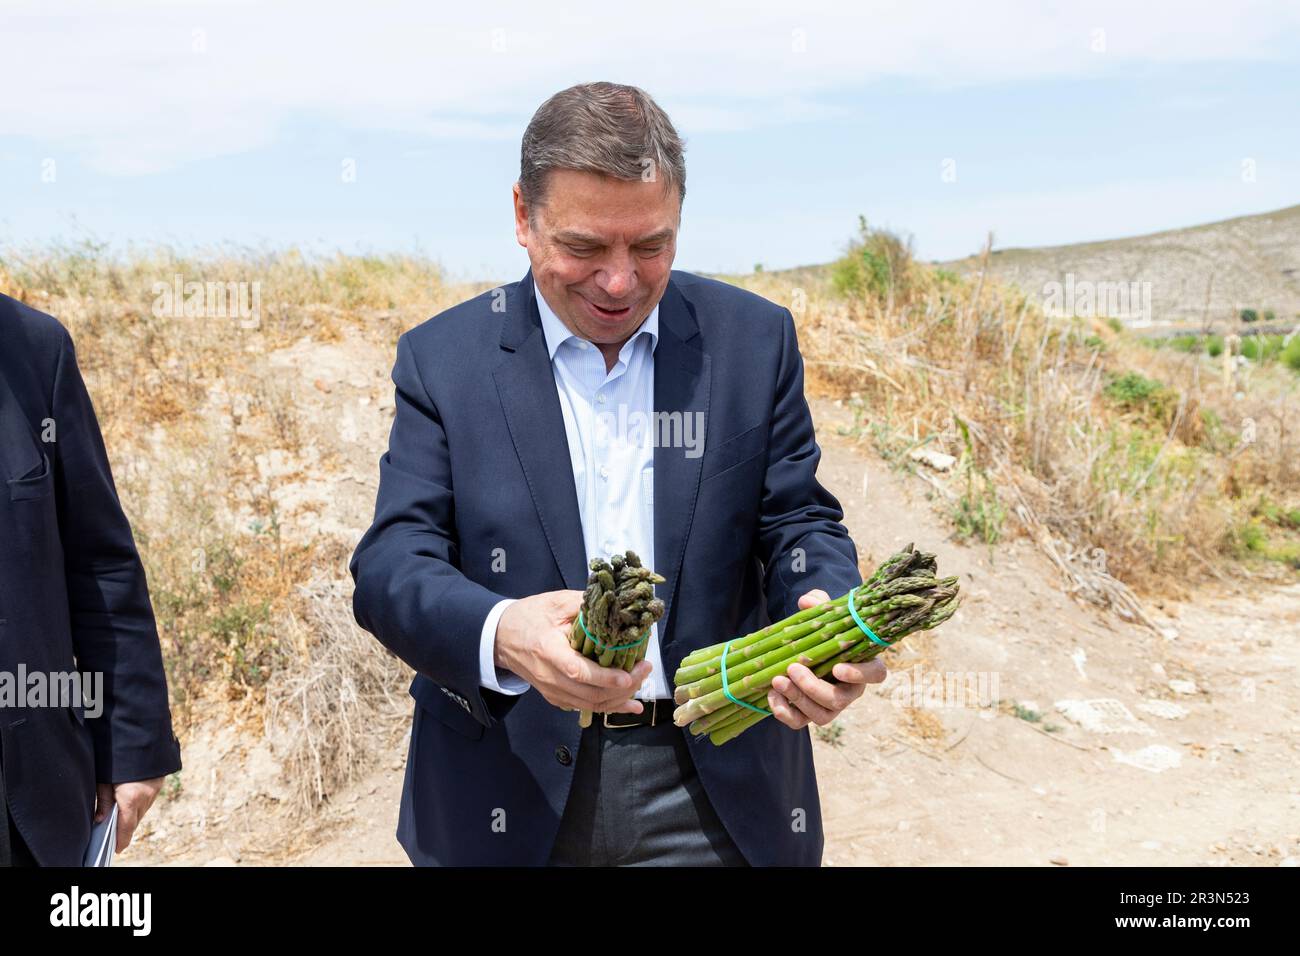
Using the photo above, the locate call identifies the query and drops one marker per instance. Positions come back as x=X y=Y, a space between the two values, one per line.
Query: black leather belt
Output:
x=653 y=713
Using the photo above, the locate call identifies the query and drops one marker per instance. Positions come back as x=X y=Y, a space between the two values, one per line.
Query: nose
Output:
x=618 y=278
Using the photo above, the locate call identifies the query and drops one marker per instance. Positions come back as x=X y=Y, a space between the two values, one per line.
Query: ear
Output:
x=523 y=231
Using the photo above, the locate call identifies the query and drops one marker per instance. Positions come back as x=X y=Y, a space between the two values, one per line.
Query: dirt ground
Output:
x=1066 y=736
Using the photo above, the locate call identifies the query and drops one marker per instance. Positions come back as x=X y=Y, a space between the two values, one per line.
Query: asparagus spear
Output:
x=744 y=718
x=618 y=610
x=903 y=595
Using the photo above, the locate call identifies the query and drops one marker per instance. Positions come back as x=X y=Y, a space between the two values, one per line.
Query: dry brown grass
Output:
x=1143 y=496
x=191 y=407
x=204 y=430
x=337 y=701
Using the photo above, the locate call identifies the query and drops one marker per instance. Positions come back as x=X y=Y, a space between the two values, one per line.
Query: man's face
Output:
x=600 y=243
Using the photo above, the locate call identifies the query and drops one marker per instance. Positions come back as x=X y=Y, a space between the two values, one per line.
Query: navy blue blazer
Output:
x=478 y=461
x=72 y=598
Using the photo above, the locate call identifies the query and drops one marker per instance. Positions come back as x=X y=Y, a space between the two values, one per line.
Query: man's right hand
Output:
x=532 y=641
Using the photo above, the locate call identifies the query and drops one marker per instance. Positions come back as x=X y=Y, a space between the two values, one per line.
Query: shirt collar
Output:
x=557 y=333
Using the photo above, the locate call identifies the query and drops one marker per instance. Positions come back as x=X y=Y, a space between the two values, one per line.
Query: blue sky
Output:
x=202 y=123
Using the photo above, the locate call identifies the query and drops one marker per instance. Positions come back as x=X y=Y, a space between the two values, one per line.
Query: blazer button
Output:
x=563 y=755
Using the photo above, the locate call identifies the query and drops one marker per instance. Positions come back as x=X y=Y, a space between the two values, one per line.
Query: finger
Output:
x=567 y=604
x=783 y=711
x=629 y=706
x=796 y=693
x=144 y=806
x=610 y=679
x=569 y=702
x=813 y=598
x=580 y=677
x=834 y=697
x=103 y=801
x=564 y=703
x=868 y=672
x=126 y=821
x=600 y=698
x=634 y=679
x=611 y=705
x=609 y=702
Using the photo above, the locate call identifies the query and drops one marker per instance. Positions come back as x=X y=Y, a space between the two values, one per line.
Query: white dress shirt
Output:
x=608 y=421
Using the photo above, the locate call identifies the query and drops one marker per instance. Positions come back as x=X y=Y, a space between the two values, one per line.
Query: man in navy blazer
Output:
x=477 y=503
x=73 y=601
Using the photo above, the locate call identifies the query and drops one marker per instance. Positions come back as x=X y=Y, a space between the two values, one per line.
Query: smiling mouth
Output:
x=608 y=313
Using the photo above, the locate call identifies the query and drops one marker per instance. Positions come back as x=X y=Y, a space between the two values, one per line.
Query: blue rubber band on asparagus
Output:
x=609 y=647
x=863 y=624
x=726 y=687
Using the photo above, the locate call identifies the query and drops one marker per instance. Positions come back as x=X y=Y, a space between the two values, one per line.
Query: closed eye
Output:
x=649 y=251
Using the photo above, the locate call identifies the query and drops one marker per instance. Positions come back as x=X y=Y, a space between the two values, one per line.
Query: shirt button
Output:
x=604 y=472
x=601 y=398
x=563 y=755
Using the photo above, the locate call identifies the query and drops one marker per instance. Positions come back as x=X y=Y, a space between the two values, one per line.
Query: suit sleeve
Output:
x=801 y=541
x=410 y=592
x=113 y=628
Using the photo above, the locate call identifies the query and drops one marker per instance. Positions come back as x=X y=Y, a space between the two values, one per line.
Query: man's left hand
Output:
x=133 y=802
x=801 y=697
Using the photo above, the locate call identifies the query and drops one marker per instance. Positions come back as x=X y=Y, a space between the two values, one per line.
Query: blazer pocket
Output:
x=734 y=451
x=437 y=702
x=33 y=487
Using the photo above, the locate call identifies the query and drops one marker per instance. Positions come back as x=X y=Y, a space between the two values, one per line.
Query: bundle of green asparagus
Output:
x=618 y=609
x=901 y=596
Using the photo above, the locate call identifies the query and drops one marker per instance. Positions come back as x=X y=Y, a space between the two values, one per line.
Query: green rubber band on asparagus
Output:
x=609 y=647
x=726 y=687
x=863 y=624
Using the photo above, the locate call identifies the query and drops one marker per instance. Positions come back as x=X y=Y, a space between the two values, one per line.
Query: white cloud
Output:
x=143 y=86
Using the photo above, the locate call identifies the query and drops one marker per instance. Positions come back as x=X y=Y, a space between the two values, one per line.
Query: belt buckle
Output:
x=646 y=704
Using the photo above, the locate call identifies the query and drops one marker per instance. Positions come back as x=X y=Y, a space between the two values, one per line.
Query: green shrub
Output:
x=1261 y=348
x=1249 y=315
x=1287 y=518
x=1132 y=389
x=1251 y=539
x=877 y=262
x=1290 y=355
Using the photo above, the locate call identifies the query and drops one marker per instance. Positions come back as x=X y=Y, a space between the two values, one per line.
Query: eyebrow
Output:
x=574 y=235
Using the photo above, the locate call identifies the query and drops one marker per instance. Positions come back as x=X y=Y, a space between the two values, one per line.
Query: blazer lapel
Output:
x=20 y=448
x=526 y=384
x=681 y=385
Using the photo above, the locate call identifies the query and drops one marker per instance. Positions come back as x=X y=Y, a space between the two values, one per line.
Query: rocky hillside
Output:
x=1175 y=277
x=1213 y=270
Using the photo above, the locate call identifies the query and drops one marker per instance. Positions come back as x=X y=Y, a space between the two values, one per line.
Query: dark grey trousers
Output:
x=637 y=801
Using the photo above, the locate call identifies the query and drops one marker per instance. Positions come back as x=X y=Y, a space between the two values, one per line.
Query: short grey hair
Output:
x=606 y=128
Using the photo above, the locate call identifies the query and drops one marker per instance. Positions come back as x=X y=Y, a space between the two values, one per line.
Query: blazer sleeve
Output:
x=112 y=621
x=410 y=592
x=800 y=539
